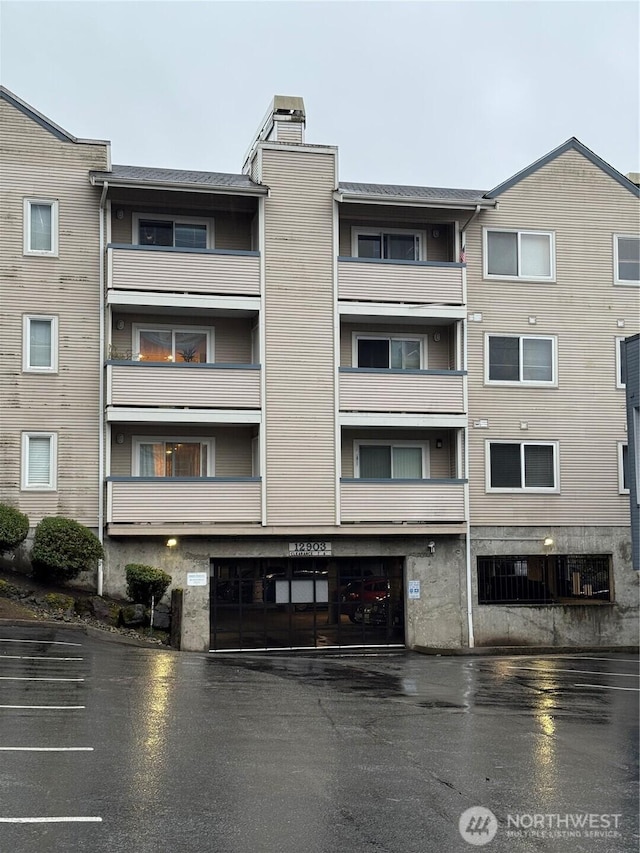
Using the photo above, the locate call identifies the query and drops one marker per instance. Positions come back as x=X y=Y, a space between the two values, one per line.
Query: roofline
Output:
x=405 y=201
x=571 y=144
x=50 y=126
x=176 y=186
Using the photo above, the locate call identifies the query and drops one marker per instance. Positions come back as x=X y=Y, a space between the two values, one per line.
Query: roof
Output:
x=44 y=122
x=571 y=144
x=409 y=192
x=179 y=178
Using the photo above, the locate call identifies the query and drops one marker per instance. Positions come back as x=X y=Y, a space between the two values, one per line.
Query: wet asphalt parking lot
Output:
x=112 y=747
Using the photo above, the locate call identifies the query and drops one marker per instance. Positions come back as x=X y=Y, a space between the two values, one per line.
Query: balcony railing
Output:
x=373 y=390
x=414 y=501
x=168 y=270
x=364 y=279
x=201 y=386
x=180 y=500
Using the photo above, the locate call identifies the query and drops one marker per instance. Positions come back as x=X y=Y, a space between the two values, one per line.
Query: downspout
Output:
x=465 y=366
x=101 y=392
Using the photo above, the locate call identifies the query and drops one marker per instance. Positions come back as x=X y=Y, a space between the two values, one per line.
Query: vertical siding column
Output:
x=299 y=335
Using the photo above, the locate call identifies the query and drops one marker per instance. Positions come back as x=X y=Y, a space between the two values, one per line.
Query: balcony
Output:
x=367 y=280
x=397 y=501
x=194 y=386
x=415 y=391
x=166 y=501
x=167 y=270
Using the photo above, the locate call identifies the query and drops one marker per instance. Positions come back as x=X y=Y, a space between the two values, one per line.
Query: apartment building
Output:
x=337 y=414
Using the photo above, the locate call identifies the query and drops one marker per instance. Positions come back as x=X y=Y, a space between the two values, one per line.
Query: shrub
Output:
x=144 y=582
x=62 y=548
x=14 y=526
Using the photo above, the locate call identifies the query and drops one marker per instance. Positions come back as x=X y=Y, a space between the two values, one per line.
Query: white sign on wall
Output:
x=310 y=549
x=197 y=579
x=414 y=589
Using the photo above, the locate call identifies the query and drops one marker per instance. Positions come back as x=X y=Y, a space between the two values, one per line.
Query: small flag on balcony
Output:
x=463 y=256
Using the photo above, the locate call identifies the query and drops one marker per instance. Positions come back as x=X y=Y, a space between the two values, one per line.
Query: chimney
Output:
x=634 y=177
x=284 y=122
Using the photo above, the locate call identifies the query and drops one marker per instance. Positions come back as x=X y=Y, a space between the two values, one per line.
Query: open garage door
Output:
x=306 y=603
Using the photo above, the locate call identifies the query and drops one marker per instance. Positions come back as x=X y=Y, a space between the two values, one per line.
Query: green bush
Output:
x=144 y=582
x=14 y=526
x=62 y=548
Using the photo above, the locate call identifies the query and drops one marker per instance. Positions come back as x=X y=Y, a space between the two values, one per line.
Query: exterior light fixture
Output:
x=548 y=542
x=171 y=543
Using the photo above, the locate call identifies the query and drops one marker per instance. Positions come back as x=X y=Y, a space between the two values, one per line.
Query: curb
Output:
x=492 y=651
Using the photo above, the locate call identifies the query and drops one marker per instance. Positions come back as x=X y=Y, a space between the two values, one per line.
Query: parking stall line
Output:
x=553 y=669
x=34 y=678
x=34 y=657
x=39 y=642
x=46 y=749
x=45 y=707
x=608 y=687
x=50 y=820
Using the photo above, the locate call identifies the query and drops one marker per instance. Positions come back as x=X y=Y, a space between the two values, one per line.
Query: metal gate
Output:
x=303 y=603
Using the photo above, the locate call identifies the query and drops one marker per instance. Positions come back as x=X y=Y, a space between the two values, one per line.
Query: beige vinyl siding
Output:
x=232 y=230
x=585 y=413
x=183 y=385
x=396 y=392
x=440 y=248
x=289 y=131
x=188 y=272
x=435 y=353
x=389 y=282
x=300 y=375
x=232 y=447
x=401 y=502
x=34 y=163
x=167 y=502
x=231 y=337
x=441 y=460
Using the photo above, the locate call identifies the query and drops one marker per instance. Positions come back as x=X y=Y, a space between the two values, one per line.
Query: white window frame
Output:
x=356 y=231
x=616 y=261
x=530 y=383
x=137 y=440
x=43 y=253
x=621 y=488
x=423 y=445
x=619 y=382
x=378 y=336
x=520 y=232
x=545 y=490
x=52 y=485
x=27 y=367
x=165 y=327
x=165 y=217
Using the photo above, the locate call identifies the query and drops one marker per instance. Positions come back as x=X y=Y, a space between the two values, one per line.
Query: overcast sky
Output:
x=458 y=94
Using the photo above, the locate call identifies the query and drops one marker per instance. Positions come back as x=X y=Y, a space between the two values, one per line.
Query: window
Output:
x=626 y=252
x=172 y=231
x=174 y=457
x=375 y=460
x=39 y=344
x=522 y=466
x=624 y=474
x=39 y=461
x=182 y=344
x=520 y=359
x=387 y=352
x=389 y=245
x=544 y=579
x=519 y=254
x=621 y=364
x=40 y=227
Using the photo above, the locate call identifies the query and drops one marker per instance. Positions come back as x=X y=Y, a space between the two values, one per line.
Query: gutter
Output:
x=405 y=201
x=183 y=187
x=103 y=199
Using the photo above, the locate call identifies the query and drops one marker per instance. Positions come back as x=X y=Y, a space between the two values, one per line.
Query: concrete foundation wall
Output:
x=591 y=624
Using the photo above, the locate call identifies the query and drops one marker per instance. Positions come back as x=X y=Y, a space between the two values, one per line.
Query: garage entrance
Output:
x=310 y=602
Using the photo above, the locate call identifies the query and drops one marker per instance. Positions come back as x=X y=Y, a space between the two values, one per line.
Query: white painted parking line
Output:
x=608 y=660
x=34 y=678
x=40 y=642
x=553 y=669
x=46 y=749
x=50 y=820
x=608 y=687
x=45 y=707
x=35 y=657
